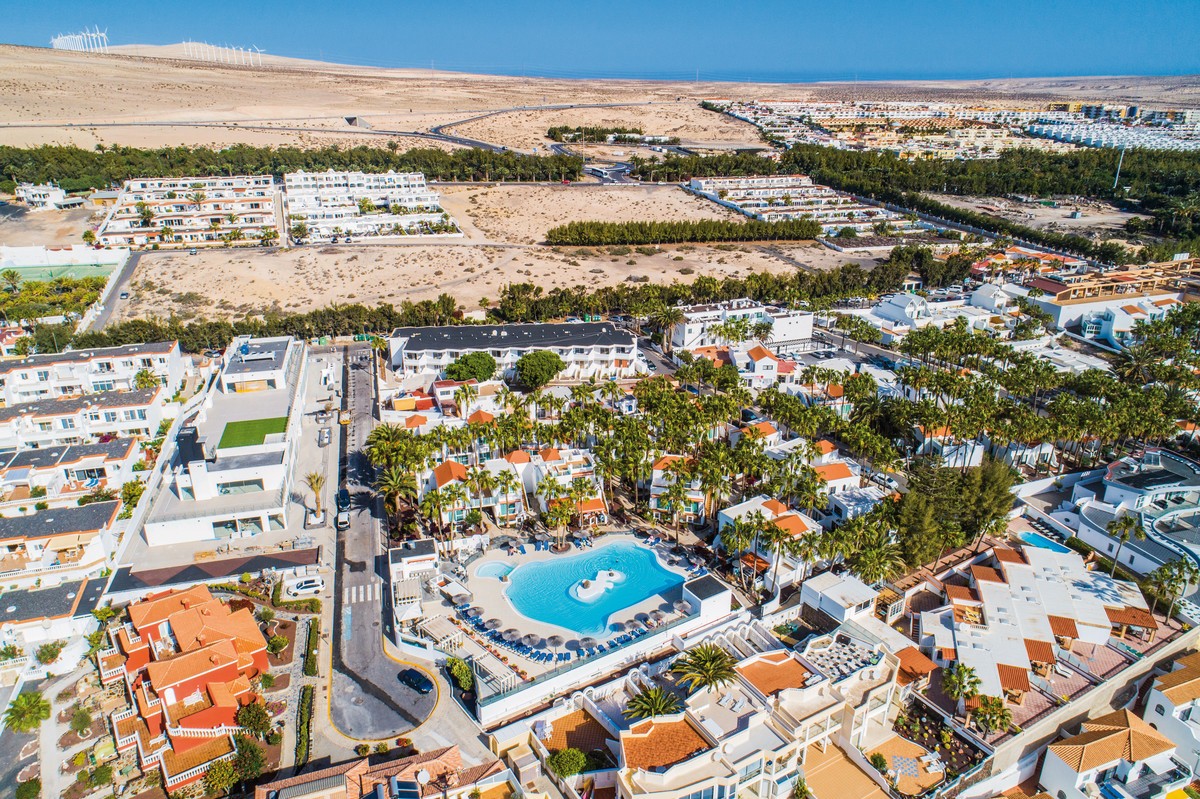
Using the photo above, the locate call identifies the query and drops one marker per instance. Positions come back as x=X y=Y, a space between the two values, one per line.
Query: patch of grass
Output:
x=251 y=432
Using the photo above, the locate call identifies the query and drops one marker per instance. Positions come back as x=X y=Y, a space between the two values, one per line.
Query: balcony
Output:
x=1150 y=785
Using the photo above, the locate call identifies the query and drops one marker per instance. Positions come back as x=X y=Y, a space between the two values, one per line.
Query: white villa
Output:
x=73 y=372
x=791 y=330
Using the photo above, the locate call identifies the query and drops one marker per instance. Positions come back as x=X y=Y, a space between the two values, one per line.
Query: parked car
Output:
x=324 y=437
x=343 y=520
x=212 y=353
x=192 y=251
x=124 y=295
x=887 y=481
x=306 y=586
x=343 y=499
x=415 y=680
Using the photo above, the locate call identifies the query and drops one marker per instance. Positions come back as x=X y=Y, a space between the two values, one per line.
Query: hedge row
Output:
x=310 y=605
x=312 y=648
x=304 y=726
x=590 y=234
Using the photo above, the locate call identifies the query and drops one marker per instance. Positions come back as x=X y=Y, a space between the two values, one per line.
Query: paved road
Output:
x=367 y=702
x=114 y=299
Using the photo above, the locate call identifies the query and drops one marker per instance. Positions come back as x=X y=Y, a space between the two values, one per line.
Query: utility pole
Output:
x=1120 y=161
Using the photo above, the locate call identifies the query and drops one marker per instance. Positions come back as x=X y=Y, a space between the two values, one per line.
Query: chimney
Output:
x=186 y=602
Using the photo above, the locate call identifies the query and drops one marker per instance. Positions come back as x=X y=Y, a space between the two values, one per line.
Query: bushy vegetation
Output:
x=460 y=670
x=75 y=168
x=312 y=647
x=33 y=299
x=585 y=133
x=310 y=605
x=304 y=725
x=567 y=762
x=478 y=366
x=590 y=234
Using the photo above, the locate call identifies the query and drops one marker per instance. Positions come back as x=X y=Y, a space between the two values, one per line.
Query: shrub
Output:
x=312 y=648
x=381 y=748
x=277 y=644
x=265 y=615
x=246 y=578
x=879 y=762
x=39 y=506
x=303 y=725
x=49 y=652
x=567 y=762
x=101 y=776
x=460 y=670
x=275 y=738
x=30 y=789
x=81 y=720
x=267 y=681
x=11 y=652
x=362 y=750
x=37 y=492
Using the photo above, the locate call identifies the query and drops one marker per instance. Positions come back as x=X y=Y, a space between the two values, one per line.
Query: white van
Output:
x=305 y=586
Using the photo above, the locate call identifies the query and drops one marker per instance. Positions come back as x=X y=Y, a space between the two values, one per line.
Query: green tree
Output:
x=479 y=366
x=30 y=789
x=250 y=759
x=567 y=762
x=146 y=379
x=652 y=702
x=255 y=719
x=705 y=666
x=11 y=279
x=536 y=369
x=316 y=484
x=993 y=715
x=81 y=721
x=219 y=778
x=1122 y=528
x=960 y=683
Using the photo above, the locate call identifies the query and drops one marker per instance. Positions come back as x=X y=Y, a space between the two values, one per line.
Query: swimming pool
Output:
x=549 y=591
x=494 y=569
x=1041 y=542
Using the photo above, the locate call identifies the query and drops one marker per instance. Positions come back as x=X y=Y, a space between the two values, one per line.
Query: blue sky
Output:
x=670 y=39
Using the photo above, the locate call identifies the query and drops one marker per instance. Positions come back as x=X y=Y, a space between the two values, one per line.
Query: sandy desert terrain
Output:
x=45 y=95
x=502 y=225
x=1097 y=216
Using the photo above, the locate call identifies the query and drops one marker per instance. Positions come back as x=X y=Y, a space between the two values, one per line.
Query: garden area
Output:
x=250 y=432
x=921 y=726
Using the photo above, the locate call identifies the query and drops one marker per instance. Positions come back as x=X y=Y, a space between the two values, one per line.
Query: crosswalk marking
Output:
x=369 y=592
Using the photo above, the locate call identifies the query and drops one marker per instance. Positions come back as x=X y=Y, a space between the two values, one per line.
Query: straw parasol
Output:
x=511 y=634
x=475 y=612
x=683 y=606
x=587 y=643
x=619 y=626
x=460 y=599
x=637 y=624
x=532 y=639
x=493 y=624
x=657 y=615
x=542 y=536
x=555 y=641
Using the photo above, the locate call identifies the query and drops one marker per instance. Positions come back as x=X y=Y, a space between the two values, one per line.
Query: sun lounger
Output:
x=738 y=705
x=523 y=550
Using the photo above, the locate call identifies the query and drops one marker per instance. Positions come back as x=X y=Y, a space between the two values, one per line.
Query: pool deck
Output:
x=490 y=595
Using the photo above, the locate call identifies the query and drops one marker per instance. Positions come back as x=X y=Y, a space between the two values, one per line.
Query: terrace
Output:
x=911 y=768
x=251 y=432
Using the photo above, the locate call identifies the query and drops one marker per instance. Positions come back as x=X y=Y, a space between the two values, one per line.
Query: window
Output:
x=43 y=375
x=1160 y=710
x=67 y=424
x=44 y=426
x=103 y=385
x=110 y=416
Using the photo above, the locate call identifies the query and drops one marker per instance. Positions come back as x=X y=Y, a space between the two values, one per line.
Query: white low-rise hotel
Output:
x=83 y=418
x=191 y=211
x=396 y=204
x=588 y=349
x=231 y=475
x=791 y=330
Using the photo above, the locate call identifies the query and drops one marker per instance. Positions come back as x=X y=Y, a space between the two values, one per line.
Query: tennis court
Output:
x=73 y=271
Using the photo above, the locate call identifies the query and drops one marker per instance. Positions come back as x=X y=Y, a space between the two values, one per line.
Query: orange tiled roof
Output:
x=1134 y=617
x=833 y=471
x=661 y=743
x=948 y=653
x=986 y=574
x=1182 y=685
x=1013 y=678
x=775 y=506
x=517 y=456
x=447 y=472
x=1109 y=738
x=1063 y=625
x=1007 y=555
x=913 y=664
x=758 y=352
x=165 y=673
x=666 y=460
x=416 y=420
x=550 y=454
x=834 y=391
x=793 y=524
x=1039 y=651
x=481 y=417
x=157 y=608
x=825 y=446
x=762 y=429
x=212 y=622
x=196 y=756
x=592 y=506
x=960 y=593
x=773 y=672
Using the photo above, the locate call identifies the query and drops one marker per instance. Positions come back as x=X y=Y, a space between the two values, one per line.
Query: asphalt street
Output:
x=367 y=701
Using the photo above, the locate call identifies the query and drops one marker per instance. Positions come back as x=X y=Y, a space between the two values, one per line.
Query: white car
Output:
x=306 y=586
x=887 y=481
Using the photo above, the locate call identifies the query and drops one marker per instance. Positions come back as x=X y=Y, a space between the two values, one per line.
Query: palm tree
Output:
x=960 y=683
x=431 y=506
x=395 y=483
x=667 y=320
x=652 y=702
x=735 y=537
x=507 y=484
x=11 y=279
x=1176 y=577
x=26 y=713
x=1122 y=528
x=316 y=484
x=464 y=395
x=878 y=557
x=705 y=666
x=993 y=715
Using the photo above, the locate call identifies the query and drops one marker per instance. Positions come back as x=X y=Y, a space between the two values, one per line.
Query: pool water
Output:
x=1041 y=542
x=494 y=569
x=544 y=591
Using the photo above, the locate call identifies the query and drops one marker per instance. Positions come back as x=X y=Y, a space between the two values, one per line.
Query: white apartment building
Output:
x=589 y=349
x=232 y=472
x=60 y=475
x=782 y=198
x=83 y=418
x=329 y=203
x=1171 y=704
x=91 y=371
x=57 y=543
x=1114 y=755
x=43 y=196
x=791 y=330
x=190 y=211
